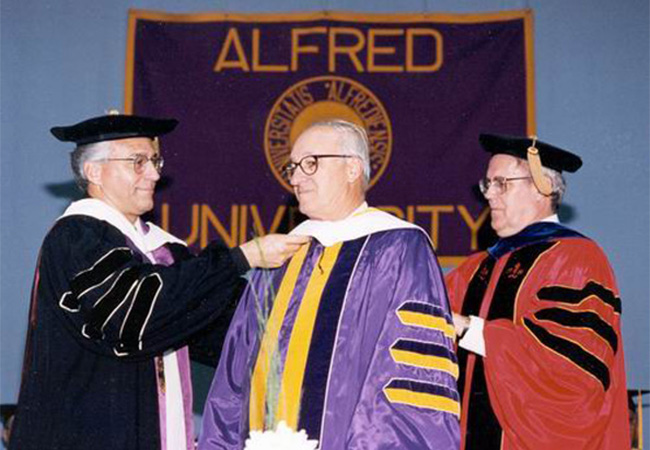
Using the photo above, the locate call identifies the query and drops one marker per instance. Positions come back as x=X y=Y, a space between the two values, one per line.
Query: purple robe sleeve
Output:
x=409 y=397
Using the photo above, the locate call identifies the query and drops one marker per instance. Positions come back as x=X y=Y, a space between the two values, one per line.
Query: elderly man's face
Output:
x=328 y=193
x=521 y=204
x=120 y=186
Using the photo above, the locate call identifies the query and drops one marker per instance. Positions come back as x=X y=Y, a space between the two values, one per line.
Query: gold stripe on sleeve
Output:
x=426 y=321
x=423 y=400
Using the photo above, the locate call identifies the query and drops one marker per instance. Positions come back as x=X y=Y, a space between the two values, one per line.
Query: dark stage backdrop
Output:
x=244 y=86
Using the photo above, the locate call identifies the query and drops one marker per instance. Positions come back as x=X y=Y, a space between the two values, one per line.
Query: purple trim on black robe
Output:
x=163 y=256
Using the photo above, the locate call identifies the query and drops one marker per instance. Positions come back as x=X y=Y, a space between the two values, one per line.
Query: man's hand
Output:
x=272 y=250
x=461 y=324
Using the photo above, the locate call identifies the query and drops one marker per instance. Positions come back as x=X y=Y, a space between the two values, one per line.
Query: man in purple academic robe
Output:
x=352 y=340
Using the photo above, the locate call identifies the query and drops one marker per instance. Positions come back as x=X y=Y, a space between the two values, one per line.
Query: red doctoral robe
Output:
x=553 y=376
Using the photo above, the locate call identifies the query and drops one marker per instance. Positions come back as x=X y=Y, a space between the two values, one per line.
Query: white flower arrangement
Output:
x=282 y=438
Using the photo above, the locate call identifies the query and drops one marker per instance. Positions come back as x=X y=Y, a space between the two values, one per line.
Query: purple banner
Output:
x=244 y=86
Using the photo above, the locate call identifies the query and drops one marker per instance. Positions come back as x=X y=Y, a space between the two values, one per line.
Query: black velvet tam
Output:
x=552 y=157
x=113 y=126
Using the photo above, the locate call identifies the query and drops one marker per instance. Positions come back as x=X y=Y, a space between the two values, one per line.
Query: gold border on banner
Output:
x=496 y=16
x=462 y=18
x=201 y=17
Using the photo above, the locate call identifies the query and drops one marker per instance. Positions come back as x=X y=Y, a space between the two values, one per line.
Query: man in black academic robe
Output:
x=115 y=301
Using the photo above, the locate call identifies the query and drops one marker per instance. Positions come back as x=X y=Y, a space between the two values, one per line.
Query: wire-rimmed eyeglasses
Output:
x=140 y=162
x=308 y=164
x=498 y=184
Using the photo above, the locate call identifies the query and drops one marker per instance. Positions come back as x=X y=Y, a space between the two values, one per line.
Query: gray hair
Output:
x=558 y=183
x=558 y=186
x=354 y=141
x=87 y=153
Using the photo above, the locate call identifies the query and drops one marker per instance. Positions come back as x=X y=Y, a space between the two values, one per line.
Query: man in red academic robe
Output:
x=538 y=316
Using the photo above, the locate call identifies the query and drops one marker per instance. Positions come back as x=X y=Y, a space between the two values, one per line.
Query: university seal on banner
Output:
x=322 y=98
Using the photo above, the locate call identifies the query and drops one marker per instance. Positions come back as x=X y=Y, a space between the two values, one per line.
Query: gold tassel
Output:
x=639 y=405
x=542 y=182
x=156 y=144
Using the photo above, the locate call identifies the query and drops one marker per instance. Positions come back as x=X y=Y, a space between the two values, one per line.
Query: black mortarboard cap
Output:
x=552 y=157
x=113 y=126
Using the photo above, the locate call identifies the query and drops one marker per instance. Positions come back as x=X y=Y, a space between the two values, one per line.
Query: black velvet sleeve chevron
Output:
x=116 y=303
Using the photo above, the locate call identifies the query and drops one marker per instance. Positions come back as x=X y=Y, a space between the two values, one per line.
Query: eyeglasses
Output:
x=499 y=184
x=308 y=164
x=140 y=162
